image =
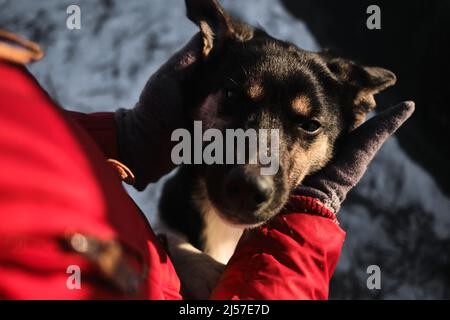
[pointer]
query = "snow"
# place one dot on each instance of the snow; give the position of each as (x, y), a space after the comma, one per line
(397, 217)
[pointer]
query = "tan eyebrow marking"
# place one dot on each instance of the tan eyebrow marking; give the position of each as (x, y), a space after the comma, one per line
(255, 91)
(301, 104)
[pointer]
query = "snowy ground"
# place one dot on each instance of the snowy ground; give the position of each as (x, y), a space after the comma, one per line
(396, 218)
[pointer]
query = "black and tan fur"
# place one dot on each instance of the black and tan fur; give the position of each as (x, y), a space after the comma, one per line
(249, 79)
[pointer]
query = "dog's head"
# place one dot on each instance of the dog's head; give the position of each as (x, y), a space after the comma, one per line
(250, 80)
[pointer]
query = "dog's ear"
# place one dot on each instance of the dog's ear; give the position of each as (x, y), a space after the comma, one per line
(361, 84)
(215, 24)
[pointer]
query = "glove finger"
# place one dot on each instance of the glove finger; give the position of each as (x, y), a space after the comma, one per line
(364, 142)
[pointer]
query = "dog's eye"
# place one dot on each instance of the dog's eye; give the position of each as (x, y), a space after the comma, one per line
(311, 126)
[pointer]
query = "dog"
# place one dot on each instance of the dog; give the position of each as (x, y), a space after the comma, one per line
(251, 80)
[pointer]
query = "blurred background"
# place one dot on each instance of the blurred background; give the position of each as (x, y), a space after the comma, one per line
(398, 217)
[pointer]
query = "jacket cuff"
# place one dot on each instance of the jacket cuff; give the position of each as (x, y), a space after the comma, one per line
(101, 127)
(308, 205)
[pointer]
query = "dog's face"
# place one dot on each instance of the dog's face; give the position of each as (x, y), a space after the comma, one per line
(250, 80)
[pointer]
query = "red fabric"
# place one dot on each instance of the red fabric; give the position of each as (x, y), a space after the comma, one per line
(54, 179)
(293, 257)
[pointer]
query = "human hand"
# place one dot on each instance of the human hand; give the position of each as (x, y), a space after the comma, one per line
(144, 132)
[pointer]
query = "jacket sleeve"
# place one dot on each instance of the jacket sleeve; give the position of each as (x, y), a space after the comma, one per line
(63, 206)
(292, 257)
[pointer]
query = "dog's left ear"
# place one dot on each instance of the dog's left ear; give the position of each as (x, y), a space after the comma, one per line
(215, 24)
(361, 84)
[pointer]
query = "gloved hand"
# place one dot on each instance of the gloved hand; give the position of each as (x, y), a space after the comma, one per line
(144, 132)
(331, 184)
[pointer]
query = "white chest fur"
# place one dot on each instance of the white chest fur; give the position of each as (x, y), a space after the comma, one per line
(220, 238)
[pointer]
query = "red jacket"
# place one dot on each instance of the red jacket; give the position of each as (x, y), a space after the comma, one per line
(62, 204)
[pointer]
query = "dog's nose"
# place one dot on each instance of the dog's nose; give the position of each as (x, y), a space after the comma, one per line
(247, 190)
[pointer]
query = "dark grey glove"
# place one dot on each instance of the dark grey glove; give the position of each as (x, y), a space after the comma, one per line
(331, 184)
(144, 132)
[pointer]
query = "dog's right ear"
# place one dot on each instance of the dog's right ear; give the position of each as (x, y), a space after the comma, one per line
(215, 24)
(360, 85)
